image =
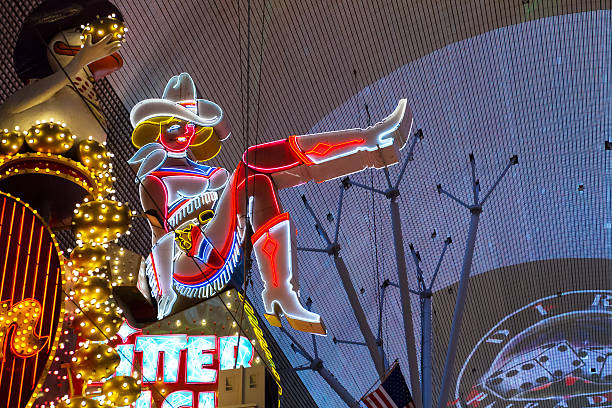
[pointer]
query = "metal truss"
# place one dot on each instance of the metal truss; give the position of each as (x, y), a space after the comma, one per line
(375, 345)
(316, 364)
(475, 210)
(421, 385)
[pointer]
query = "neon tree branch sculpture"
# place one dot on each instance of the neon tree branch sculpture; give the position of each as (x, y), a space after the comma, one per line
(198, 213)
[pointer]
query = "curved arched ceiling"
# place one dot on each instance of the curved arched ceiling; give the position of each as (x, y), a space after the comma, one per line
(310, 50)
(540, 90)
(493, 78)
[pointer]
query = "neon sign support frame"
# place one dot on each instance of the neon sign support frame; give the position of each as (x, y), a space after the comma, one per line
(374, 344)
(422, 390)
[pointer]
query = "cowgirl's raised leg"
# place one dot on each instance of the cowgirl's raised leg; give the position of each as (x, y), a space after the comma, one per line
(325, 156)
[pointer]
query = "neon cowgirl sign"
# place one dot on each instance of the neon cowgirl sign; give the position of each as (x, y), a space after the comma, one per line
(179, 370)
(198, 214)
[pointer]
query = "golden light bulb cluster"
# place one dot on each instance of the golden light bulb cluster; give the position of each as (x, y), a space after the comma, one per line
(79, 402)
(49, 137)
(122, 390)
(87, 257)
(100, 221)
(92, 289)
(95, 362)
(96, 326)
(103, 26)
(97, 319)
(94, 156)
(11, 141)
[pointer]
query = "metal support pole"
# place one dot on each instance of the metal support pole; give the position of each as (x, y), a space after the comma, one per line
(400, 258)
(379, 334)
(475, 211)
(360, 315)
(426, 363)
(459, 307)
(381, 304)
(316, 364)
(333, 249)
(425, 295)
(335, 384)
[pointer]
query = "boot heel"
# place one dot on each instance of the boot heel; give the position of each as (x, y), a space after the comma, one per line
(307, 327)
(273, 320)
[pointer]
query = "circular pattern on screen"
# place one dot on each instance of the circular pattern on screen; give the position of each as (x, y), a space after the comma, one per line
(555, 351)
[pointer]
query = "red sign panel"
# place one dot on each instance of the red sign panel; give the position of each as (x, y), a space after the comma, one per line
(31, 301)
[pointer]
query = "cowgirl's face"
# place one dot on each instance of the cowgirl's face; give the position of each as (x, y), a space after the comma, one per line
(177, 135)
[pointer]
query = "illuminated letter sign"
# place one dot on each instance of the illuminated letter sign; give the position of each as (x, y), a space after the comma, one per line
(187, 366)
(151, 346)
(31, 302)
(200, 350)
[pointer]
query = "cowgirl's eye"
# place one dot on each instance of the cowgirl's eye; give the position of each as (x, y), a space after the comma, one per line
(173, 128)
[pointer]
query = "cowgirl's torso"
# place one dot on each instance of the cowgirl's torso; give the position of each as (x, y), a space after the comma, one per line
(192, 192)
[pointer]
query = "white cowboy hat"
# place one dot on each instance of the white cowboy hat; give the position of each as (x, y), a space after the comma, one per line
(179, 100)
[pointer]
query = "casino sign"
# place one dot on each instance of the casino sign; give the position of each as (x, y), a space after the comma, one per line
(180, 360)
(31, 301)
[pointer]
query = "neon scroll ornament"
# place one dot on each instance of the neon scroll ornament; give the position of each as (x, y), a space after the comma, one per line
(31, 302)
(198, 213)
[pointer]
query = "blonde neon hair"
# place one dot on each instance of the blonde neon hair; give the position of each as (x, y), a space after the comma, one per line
(204, 146)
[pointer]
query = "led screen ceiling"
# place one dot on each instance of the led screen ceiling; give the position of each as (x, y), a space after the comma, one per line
(540, 90)
(546, 341)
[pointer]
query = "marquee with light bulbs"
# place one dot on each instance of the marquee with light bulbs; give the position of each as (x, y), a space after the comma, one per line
(48, 154)
(31, 301)
(66, 180)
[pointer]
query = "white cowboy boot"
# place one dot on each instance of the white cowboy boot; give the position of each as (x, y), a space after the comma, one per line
(334, 154)
(275, 252)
